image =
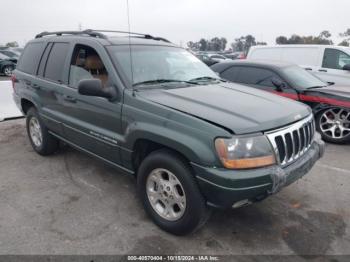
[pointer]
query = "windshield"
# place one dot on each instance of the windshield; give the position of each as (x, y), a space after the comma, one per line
(302, 79)
(153, 63)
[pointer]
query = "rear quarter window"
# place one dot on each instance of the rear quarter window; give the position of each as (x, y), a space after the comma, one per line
(30, 58)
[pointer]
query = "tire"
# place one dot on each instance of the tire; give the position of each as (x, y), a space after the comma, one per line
(337, 118)
(181, 220)
(7, 70)
(40, 139)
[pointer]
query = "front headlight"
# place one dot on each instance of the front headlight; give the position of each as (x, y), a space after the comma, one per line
(245, 152)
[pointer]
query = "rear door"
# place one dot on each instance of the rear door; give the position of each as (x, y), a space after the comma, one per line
(331, 69)
(49, 84)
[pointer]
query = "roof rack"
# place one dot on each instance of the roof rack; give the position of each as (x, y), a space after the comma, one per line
(60, 33)
(99, 34)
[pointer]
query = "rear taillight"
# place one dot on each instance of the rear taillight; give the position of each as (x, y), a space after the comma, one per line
(13, 80)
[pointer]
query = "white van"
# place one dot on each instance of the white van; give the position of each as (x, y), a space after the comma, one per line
(330, 63)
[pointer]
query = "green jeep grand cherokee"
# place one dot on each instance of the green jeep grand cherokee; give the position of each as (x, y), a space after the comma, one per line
(153, 110)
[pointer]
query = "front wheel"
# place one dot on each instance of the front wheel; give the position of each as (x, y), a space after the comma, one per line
(170, 194)
(334, 125)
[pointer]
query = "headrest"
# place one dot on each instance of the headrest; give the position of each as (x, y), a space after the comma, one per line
(93, 62)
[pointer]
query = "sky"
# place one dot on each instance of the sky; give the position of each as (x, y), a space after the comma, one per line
(177, 20)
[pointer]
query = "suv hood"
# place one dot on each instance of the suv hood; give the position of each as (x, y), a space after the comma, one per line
(235, 107)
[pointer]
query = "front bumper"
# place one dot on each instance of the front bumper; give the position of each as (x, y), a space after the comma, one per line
(224, 188)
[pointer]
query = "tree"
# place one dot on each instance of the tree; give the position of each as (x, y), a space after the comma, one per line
(281, 40)
(322, 39)
(243, 43)
(346, 33)
(346, 36)
(223, 43)
(325, 34)
(214, 44)
(12, 44)
(344, 43)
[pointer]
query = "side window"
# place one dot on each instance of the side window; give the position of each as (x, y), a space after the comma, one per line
(86, 64)
(55, 62)
(335, 59)
(231, 73)
(256, 76)
(30, 58)
(44, 59)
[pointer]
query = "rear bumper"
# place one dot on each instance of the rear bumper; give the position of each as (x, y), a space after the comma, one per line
(224, 188)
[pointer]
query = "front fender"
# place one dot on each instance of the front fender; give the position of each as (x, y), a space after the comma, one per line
(197, 148)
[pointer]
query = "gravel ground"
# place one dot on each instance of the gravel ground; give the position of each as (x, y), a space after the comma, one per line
(70, 203)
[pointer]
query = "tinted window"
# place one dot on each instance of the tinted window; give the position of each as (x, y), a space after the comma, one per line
(335, 59)
(256, 76)
(30, 58)
(55, 63)
(231, 73)
(300, 78)
(44, 59)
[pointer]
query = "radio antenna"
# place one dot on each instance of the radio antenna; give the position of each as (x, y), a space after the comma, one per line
(130, 51)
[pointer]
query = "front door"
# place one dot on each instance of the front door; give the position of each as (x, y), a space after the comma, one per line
(91, 123)
(332, 67)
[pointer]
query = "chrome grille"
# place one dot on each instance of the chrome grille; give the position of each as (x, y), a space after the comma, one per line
(292, 141)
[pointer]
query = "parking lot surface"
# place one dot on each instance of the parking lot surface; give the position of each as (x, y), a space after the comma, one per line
(70, 203)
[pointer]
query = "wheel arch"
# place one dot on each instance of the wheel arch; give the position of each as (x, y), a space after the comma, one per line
(26, 104)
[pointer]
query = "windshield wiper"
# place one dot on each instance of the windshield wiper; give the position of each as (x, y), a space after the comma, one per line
(206, 78)
(162, 81)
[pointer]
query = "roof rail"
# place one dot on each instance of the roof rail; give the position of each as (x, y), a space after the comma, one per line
(99, 34)
(60, 33)
(147, 36)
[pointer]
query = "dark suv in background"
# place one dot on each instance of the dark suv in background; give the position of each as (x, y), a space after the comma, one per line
(153, 110)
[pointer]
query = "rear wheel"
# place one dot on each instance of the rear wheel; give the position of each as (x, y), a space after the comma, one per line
(170, 194)
(7, 70)
(334, 125)
(40, 138)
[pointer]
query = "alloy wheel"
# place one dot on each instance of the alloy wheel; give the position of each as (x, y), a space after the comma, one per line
(166, 194)
(35, 132)
(335, 123)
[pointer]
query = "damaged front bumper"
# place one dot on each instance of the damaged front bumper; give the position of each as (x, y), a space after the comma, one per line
(224, 188)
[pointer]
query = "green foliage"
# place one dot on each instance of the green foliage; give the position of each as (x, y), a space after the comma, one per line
(321, 39)
(215, 44)
(344, 43)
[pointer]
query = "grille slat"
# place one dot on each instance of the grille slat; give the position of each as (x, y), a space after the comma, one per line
(292, 141)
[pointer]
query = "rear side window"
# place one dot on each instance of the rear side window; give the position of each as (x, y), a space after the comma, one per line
(30, 58)
(231, 73)
(256, 76)
(55, 62)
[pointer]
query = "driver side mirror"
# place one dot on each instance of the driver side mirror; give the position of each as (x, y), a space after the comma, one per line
(278, 83)
(94, 87)
(346, 67)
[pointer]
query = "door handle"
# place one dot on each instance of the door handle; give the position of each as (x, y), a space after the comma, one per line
(308, 69)
(322, 70)
(70, 99)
